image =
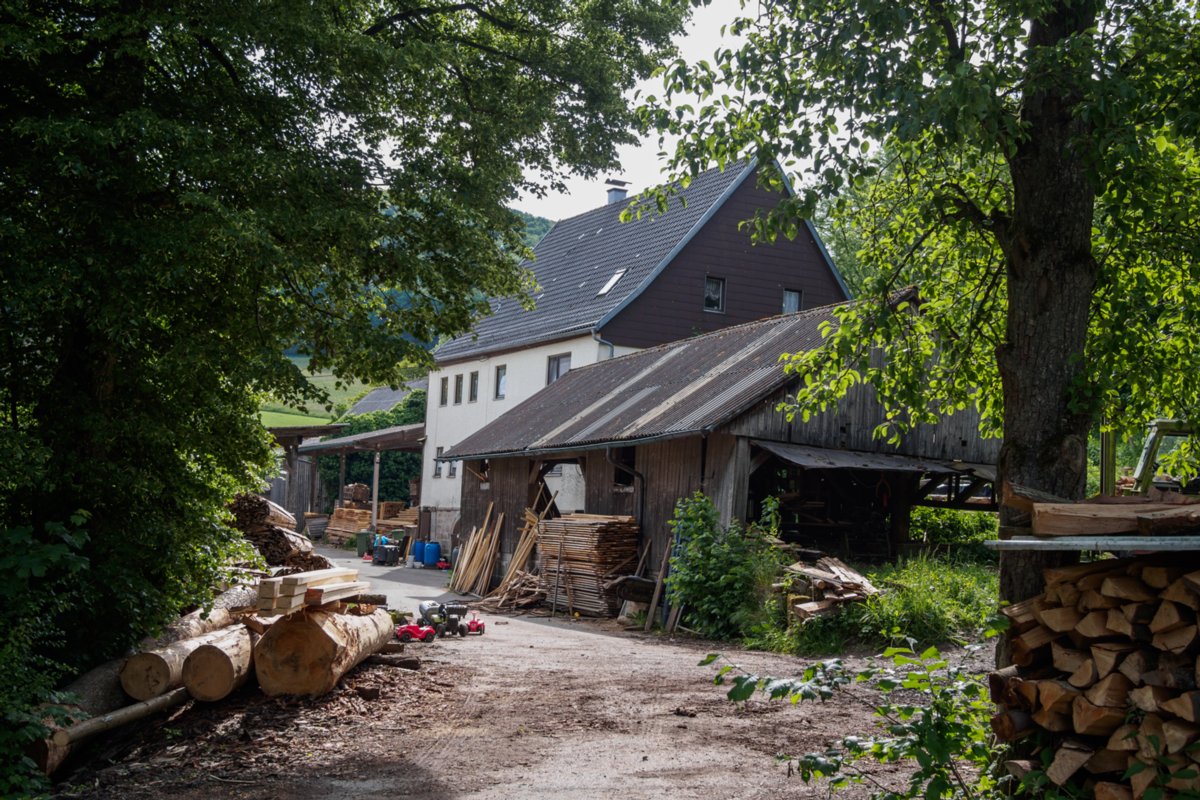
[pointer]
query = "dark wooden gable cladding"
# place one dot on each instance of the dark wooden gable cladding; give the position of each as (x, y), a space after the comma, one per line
(672, 306)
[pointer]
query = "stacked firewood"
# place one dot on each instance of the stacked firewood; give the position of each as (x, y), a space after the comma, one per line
(579, 554)
(1105, 666)
(345, 524)
(270, 529)
(826, 587)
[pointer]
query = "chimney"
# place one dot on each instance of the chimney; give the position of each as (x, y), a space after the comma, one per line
(616, 190)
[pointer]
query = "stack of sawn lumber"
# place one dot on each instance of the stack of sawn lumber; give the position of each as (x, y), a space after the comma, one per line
(1106, 661)
(270, 528)
(578, 555)
(1156, 514)
(394, 521)
(285, 594)
(345, 524)
(828, 585)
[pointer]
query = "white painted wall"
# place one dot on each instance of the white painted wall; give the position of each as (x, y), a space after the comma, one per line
(447, 425)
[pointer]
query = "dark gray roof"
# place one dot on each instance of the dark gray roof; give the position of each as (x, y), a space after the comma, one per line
(579, 255)
(385, 399)
(409, 438)
(674, 389)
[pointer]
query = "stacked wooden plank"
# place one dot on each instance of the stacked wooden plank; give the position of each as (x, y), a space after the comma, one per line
(1157, 514)
(289, 593)
(393, 508)
(522, 590)
(345, 524)
(478, 557)
(1106, 660)
(579, 554)
(826, 586)
(393, 523)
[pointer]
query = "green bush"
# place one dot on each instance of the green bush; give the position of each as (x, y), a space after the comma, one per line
(958, 535)
(721, 576)
(928, 600)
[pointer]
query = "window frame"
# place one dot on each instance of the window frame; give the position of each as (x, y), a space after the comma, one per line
(556, 360)
(473, 387)
(452, 470)
(501, 381)
(723, 297)
(437, 465)
(444, 398)
(799, 300)
(458, 389)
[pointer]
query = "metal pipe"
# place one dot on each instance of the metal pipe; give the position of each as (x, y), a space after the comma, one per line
(612, 348)
(636, 476)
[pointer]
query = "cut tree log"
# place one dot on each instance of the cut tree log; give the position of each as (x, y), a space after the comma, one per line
(1111, 791)
(1186, 706)
(1095, 519)
(1069, 759)
(1108, 656)
(1176, 640)
(1126, 587)
(1179, 734)
(1124, 738)
(89, 728)
(1168, 521)
(1066, 659)
(153, 672)
(1011, 724)
(398, 661)
(1105, 762)
(214, 669)
(1135, 665)
(1090, 719)
(1112, 691)
(306, 654)
(1151, 698)
(1059, 620)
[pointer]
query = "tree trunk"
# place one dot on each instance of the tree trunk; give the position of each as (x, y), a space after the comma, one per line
(215, 669)
(150, 673)
(307, 653)
(1051, 278)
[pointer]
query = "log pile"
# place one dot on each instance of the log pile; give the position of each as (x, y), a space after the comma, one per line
(345, 524)
(357, 495)
(826, 586)
(521, 590)
(1106, 661)
(579, 554)
(269, 528)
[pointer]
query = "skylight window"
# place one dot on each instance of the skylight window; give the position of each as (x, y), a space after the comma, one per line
(611, 283)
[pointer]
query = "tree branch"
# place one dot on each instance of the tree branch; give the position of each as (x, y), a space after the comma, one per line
(433, 11)
(957, 50)
(230, 69)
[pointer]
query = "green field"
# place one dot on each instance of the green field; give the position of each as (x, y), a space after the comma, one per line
(275, 414)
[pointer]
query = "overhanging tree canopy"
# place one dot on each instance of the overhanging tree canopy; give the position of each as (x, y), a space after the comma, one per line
(188, 190)
(1039, 182)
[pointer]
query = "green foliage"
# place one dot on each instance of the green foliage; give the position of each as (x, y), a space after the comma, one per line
(721, 576)
(926, 600)
(956, 147)
(535, 227)
(191, 190)
(931, 715)
(36, 590)
(948, 526)
(395, 469)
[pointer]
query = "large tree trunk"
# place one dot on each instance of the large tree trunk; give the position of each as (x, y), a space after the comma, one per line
(308, 653)
(215, 669)
(1051, 277)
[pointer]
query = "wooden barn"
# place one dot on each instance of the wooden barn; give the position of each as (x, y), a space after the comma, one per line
(700, 414)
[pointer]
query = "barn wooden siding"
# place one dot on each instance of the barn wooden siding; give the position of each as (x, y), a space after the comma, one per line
(851, 425)
(298, 490)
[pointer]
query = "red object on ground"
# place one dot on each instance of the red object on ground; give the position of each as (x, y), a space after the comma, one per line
(473, 625)
(443, 564)
(422, 633)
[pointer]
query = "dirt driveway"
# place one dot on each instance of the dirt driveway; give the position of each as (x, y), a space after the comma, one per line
(536, 708)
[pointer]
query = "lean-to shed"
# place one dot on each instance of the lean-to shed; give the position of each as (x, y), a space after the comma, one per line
(700, 414)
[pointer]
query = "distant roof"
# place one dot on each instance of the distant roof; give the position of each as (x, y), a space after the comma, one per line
(674, 389)
(399, 437)
(576, 261)
(385, 399)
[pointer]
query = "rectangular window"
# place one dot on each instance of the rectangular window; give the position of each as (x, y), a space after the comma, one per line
(458, 381)
(791, 301)
(453, 471)
(473, 388)
(437, 465)
(624, 459)
(557, 366)
(445, 391)
(714, 295)
(501, 381)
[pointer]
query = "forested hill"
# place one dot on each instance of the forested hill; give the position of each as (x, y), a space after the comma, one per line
(535, 227)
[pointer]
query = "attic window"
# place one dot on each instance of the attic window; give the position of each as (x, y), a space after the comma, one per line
(616, 276)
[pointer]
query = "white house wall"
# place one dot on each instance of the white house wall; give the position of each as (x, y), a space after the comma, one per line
(446, 425)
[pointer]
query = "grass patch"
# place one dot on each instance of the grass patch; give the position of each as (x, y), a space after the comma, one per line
(927, 599)
(284, 419)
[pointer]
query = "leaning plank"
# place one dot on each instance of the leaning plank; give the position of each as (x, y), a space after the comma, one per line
(89, 728)
(214, 669)
(153, 672)
(306, 654)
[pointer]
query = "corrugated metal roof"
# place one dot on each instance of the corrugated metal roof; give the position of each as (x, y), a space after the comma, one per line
(385, 399)
(400, 437)
(575, 260)
(678, 388)
(822, 458)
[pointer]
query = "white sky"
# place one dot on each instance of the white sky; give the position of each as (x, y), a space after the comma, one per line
(640, 164)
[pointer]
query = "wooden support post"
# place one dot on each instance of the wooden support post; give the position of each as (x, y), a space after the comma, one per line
(341, 495)
(375, 491)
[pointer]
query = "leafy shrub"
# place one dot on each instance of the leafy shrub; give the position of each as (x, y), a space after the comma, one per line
(721, 576)
(956, 534)
(925, 599)
(930, 713)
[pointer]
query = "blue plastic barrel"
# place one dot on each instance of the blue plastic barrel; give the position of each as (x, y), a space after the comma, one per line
(433, 553)
(418, 552)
